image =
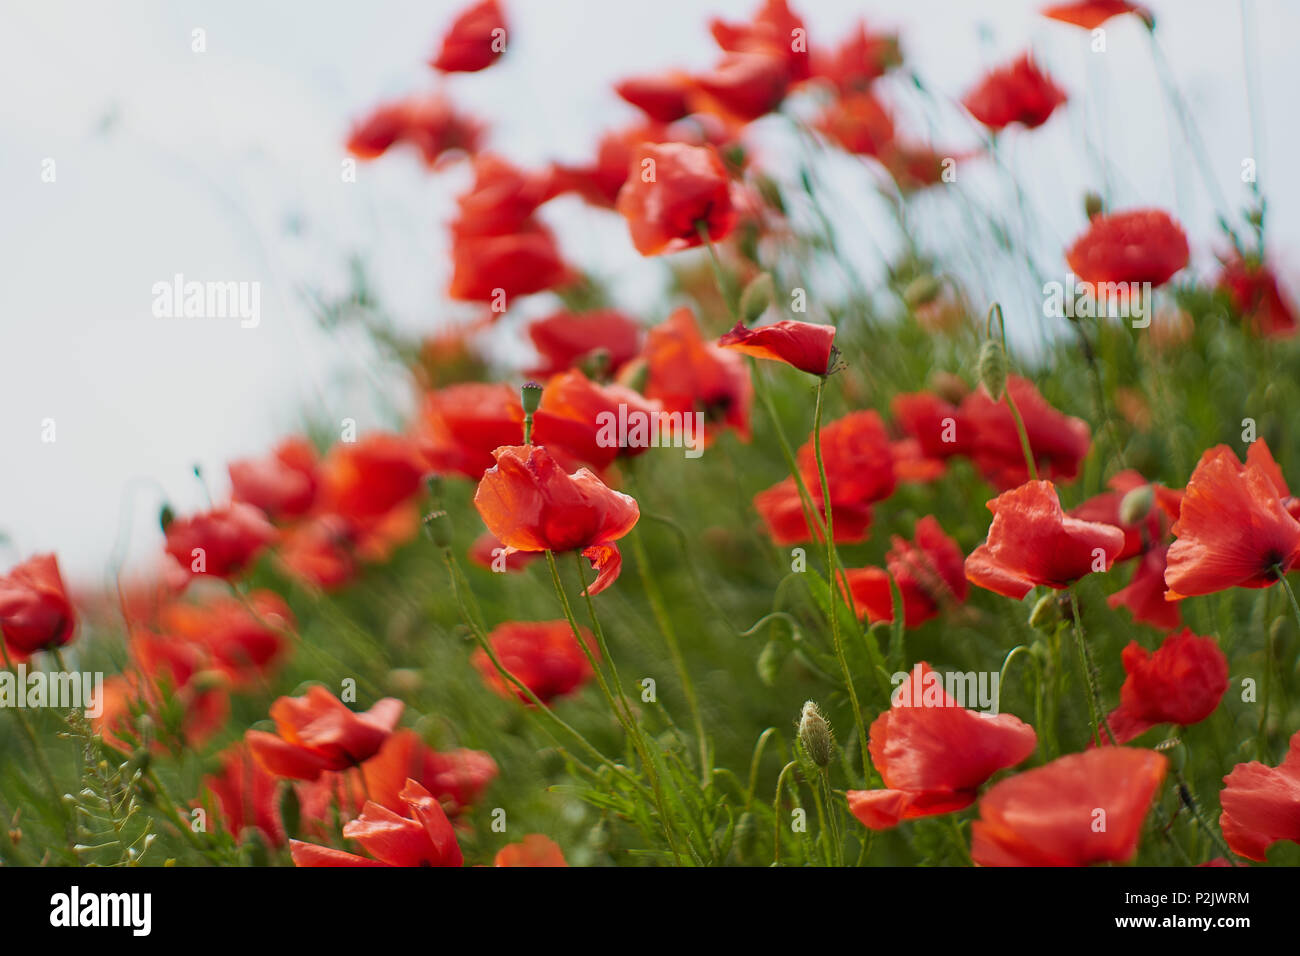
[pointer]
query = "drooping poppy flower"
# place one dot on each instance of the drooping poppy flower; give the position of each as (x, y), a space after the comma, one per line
(1091, 14)
(858, 456)
(859, 123)
(425, 121)
(1017, 93)
(805, 345)
(566, 339)
(543, 655)
(424, 838)
(1058, 442)
(317, 732)
(929, 573)
(1145, 594)
(672, 192)
(1256, 294)
(1261, 805)
(533, 850)
(1181, 683)
(220, 542)
(474, 41)
(581, 418)
(859, 60)
(530, 504)
(461, 425)
(282, 485)
(688, 374)
(782, 512)
(35, 612)
(488, 552)
(1137, 246)
(933, 754)
(1233, 529)
(1033, 542)
(664, 97)
(934, 422)
(486, 268)
(1079, 809)
(246, 638)
(364, 481)
(246, 796)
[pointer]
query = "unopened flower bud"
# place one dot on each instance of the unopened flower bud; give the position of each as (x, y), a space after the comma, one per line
(815, 735)
(595, 364)
(757, 296)
(1136, 505)
(1092, 204)
(1046, 613)
(166, 516)
(992, 368)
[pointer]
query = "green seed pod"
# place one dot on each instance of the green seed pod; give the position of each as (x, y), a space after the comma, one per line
(992, 368)
(438, 527)
(1136, 505)
(757, 297)
(531, 396)
(815, 735)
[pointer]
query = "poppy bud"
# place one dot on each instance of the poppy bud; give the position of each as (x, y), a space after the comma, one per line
(166, 516)
(992, 368)
(595, 365)
(530, 394)
(1136, 505)
(757, 296)
(1046, 613)
(1092, 204)
(770, 660)
(922, 291)
(437, 525)
(815, 735)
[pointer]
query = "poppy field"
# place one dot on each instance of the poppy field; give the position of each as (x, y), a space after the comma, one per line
(991, 562)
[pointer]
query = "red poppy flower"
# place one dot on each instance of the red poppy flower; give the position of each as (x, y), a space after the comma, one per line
(1079, 809)
(859, 123)
(1261, 805)
(774, 27)
(543, 655)
(1145, 594)
(933, 754)
(1233, 528)
(805, 345)
(916, 166)
(929, 574)
(565, 339)
(599, 181)
(425, 121)
(456, 778)
(364, 481)
(488, 267)
(501, 200)
(424, 838)
(319, 552)
(934, 422)
(1091, 14)
(220, 542)
(246, 796)
(671, 190)
(688, 374)
(488, 552)
(475, 40)
(1105, 509)
(35, 613)
(282, 485)
(317, 732)
(783, 515)
(860, 59)
(581, 418)
(1257, 296)
(745, 85)
(1141, 245)
(1181, 683)
(533, 850)
(858, 457)
(1032, 541)
(1059, 443)
(246, 638)
(530, 504)
(664, 97)
(1018, 93)
(461, 425)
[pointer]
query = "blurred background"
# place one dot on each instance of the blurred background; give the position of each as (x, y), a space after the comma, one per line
(225, 165)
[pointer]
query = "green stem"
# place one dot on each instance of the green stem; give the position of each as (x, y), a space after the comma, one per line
(1089, 675)
(776, 813)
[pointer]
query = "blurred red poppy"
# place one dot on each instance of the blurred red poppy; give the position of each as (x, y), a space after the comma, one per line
(1091, 14)
(220, 542)
(425, 121)
(859, 123)
(246, 796)
(282, 485)
(672, 192)
(663, 97)
(858, 456)
(364, 481)
(530, 504)
(1140, 245)
(934, 422)
(474, 41)
(1079, 809)
(746, 84)
(1033, 542)
(543, 655)
(35, 612)
(246, 637)
(424, 838)
(1256, 294)
(533, 850)
(782, 512)
(580, 418)
(861, 58)
(1058, 442)
(1105, 509)
(566, 339)
(805, 345)
(688, 374)
(774, 27)
(1145, 594)
(928, 571)
(1261, 804)
(1017, 93)
(496, 268)
(1181, 683)
(319, 552)
(461, 425)
(317, 732)
(933, 754)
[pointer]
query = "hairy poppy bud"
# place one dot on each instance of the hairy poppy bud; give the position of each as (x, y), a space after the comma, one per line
(992, 368)
(757, 296)
(437, 526)
(815, 735)
(1136, 505)
(922, 291)
(1046, 613)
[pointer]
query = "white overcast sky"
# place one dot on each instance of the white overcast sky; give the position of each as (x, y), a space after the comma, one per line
(225, 165)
